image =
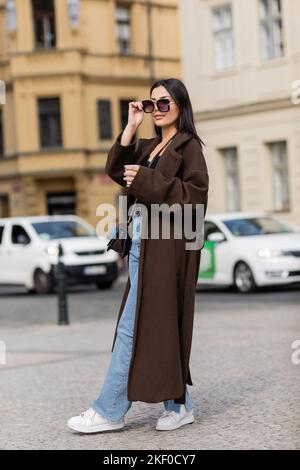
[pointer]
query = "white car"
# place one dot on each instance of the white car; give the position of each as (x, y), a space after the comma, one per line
(29, 252)
(249, 249)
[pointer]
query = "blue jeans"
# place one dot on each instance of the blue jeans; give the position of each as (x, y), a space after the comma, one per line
(112, 403)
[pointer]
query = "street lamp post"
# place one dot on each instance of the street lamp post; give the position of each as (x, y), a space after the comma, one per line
(150, 42)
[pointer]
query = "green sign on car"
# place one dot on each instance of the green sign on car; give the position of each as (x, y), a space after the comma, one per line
(207, 262)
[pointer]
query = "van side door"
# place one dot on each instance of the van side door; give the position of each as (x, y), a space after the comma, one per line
(19, 254)
(2, 253)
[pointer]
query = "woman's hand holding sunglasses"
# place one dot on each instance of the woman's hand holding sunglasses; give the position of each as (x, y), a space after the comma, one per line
(135, 114)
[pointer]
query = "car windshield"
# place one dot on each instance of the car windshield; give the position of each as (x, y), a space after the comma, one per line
(62, 229)
(256, 226)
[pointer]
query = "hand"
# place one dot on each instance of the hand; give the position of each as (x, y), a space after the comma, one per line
(135, 114)
(130, 172)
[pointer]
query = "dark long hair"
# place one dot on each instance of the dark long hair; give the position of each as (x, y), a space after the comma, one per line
(178, 91)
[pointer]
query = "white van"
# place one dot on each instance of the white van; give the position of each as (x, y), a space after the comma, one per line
(29, 252)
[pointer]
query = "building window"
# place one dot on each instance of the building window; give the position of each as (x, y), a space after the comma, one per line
(232, 179)
(123, 29)
(61, 203)
(4, 205)
(124, 105)
(270, 26)
(44, 23)
(280, 176)
(49, 121)
(1, 134)
(104, 119)
(11, 17)
(223, 38)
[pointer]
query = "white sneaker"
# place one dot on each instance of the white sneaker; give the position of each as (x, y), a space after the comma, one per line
(173, 420)
(90, 421)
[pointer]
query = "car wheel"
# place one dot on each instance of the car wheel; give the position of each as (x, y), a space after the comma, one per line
(104, 284)
(42, 282)
(243, 278)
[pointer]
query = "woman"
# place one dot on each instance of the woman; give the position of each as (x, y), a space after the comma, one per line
(153, 335)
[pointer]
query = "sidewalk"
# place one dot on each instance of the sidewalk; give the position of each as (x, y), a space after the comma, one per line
(245, 393)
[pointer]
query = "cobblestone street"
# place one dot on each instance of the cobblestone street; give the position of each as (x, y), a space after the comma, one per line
(245, 392)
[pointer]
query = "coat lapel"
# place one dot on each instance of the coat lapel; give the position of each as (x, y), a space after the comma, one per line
(171, 158)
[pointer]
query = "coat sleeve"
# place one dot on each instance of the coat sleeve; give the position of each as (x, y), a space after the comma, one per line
(151, 186)
(118, 156)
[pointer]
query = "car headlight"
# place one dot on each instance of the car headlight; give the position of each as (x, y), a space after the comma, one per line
(52, 250)
(270, 252)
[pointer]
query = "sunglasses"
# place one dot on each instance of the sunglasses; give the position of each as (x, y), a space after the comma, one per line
(163, 105)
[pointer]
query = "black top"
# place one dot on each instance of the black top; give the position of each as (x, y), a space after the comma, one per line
(155, 159)
(153, 162)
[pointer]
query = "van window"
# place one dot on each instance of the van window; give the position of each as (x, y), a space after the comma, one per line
(19, 235)
(211, 227)
(62, 229)
(1, 233)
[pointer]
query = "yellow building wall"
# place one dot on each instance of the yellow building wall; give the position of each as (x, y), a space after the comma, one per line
(84, 67)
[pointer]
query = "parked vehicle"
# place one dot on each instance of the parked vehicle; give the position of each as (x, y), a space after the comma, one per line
(249, 249)
(29, 252)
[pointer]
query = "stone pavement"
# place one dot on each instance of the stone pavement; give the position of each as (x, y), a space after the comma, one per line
(245, 392)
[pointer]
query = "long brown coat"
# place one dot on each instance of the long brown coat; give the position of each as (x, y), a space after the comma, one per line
(159, 368)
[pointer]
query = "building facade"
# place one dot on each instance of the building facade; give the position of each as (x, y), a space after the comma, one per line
(70, 67)
(241, 64)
